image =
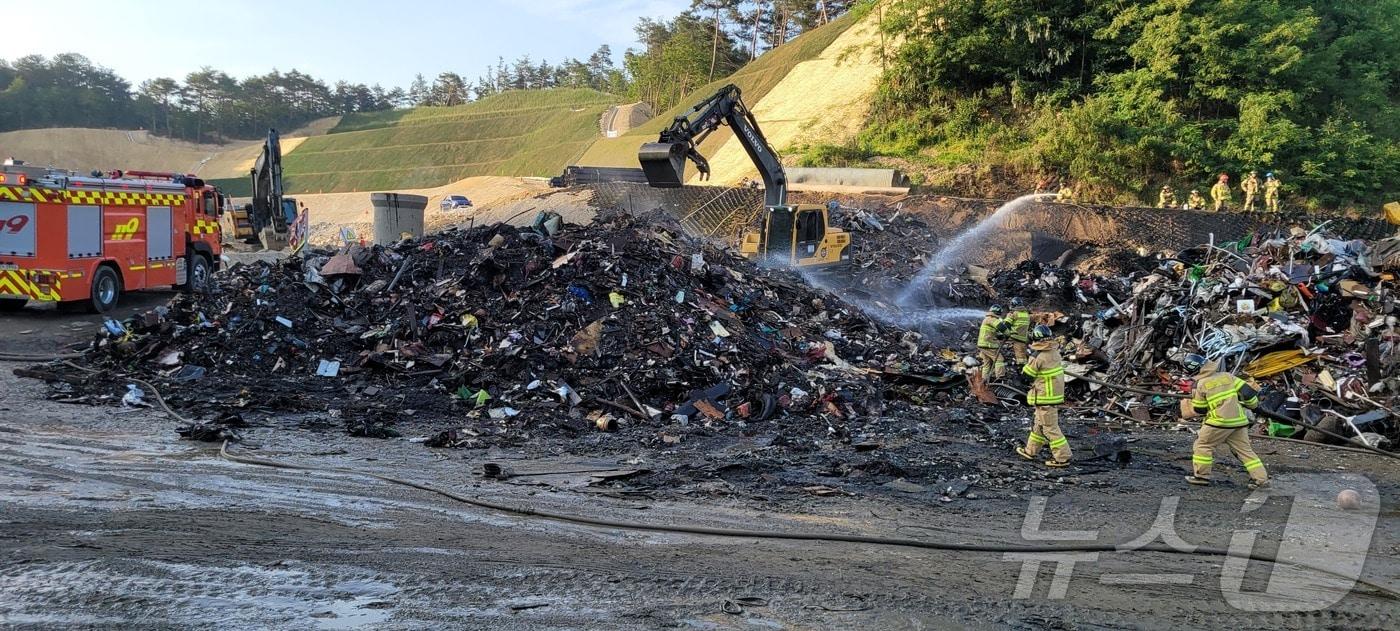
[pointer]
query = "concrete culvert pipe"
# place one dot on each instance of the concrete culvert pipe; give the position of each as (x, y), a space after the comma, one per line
(396, 214)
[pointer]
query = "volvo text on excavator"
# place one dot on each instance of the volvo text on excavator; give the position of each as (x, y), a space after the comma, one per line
(268, 217)
(798, 235)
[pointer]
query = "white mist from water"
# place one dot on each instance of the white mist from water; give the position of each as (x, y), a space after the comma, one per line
(906, 318)
(902, 314)
(952, 252)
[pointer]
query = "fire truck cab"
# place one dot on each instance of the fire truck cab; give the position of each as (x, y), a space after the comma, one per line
(68, 238)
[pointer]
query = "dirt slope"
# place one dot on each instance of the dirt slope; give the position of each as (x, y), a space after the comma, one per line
(85, 149)
(755, 79)
(825, 99)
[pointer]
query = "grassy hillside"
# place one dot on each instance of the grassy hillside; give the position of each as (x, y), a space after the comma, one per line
(755, 79)
(515, 133)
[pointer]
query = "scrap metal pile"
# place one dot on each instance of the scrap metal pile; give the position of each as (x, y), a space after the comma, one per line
(1310, 316)
(495, 334)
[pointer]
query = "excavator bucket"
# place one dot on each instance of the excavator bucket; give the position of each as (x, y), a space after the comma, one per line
(663, 163)
(272, 240)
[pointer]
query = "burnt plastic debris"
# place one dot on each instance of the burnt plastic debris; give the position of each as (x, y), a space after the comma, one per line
(481, 330)
(498, 336)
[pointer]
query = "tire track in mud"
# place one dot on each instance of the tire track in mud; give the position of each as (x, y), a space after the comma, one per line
(176, 593)
(294, 554)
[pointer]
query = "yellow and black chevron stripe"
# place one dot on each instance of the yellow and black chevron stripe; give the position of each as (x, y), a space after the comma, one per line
(34, 194)
(123, 198)
(29, 194)
(15, 282)
(205, 226)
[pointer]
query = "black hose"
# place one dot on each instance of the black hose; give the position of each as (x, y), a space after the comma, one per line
(530, 511)
(1265, 413)
(1293, 421)
(20, 357)
(1132, 389)
(1355, 450)
(758, 534)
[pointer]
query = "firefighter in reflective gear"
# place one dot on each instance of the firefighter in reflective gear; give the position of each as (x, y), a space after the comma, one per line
(1220, 193)
(1196, 201)
(1017, 327)
(1271, 186)
(1047, 392)
(1222, 398)
(989, 345)
(1250, 186)
(1167, 198)
(1066, 194)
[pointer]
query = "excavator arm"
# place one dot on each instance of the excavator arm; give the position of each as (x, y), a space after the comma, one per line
(270, 212)
(664, 161)
(801, 236)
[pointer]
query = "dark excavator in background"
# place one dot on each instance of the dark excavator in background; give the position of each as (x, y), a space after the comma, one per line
(268, 217)
(797, 235)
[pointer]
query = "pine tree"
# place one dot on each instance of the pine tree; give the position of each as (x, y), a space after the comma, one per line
(418, 92)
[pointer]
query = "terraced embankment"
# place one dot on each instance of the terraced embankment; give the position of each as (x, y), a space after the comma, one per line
(524, 133)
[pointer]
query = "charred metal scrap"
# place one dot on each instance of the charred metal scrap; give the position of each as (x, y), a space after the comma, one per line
(1308, 316)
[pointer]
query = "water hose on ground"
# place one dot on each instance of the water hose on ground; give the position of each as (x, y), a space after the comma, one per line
(530, 511)
(1265, 413)
(21, 357)
(1125, 388)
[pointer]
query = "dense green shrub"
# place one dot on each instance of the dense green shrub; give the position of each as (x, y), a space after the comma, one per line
(1122, 96)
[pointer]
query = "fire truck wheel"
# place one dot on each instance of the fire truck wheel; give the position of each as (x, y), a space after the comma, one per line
(106, 289)
(199, 274)
(12, 304)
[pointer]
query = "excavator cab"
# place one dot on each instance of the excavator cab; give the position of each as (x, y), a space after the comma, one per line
(663, 163)
(800, 235)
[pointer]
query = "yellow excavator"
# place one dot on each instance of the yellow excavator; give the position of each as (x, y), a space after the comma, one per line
(797, 235)
(268, 218)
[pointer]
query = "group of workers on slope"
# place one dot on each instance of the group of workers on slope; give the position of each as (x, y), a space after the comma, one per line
(1220, 396)
(1223, 196)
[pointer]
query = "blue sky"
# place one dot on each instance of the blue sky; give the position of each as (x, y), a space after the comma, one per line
(363, 41)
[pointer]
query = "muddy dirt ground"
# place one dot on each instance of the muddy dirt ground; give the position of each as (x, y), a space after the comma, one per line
(108, 520)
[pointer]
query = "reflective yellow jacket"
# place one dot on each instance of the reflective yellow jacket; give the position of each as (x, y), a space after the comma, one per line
(1020, 322)
(987, 334)
(1047, 372)
(1218, 396)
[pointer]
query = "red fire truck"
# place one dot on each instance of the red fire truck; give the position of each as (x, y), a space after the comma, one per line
(68, 238)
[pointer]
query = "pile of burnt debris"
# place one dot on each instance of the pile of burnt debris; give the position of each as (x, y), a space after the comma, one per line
(495, 334)
(1310, 319)
(624, 336)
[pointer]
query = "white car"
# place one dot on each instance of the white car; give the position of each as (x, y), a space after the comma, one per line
(455, 202)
